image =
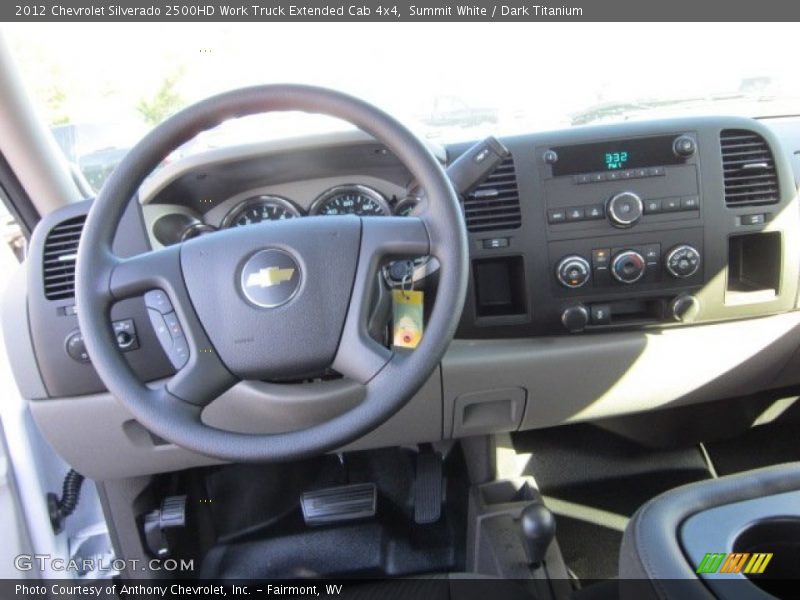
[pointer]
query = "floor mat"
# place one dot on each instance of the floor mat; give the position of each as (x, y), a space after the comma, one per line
(762, 446)
(592, 467)
(591, 551)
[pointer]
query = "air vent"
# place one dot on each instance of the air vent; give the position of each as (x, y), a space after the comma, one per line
(749, 169)
(60, 251)
(495, 203)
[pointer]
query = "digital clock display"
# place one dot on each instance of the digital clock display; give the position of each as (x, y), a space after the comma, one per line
(616, 160)
(615, 155)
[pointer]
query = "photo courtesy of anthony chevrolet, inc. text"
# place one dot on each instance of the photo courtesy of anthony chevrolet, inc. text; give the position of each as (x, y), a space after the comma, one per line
(399, 300)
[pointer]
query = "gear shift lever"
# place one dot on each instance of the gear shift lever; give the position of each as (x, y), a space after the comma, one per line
(538, 530)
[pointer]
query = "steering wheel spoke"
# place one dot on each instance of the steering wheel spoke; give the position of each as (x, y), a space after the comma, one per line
(360, 357)
(159, 269)
(200, 374)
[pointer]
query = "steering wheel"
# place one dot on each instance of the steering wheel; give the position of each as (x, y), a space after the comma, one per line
(271, 300)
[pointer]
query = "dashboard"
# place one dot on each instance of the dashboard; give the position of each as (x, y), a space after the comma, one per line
(634, 242)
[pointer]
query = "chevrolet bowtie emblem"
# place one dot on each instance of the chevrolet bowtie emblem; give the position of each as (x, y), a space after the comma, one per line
(269, 277)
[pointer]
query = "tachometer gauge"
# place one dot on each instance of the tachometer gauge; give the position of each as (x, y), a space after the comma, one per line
(351, 200)
(261, 208)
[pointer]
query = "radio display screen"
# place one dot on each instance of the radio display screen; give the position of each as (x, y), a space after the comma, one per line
(615, 155)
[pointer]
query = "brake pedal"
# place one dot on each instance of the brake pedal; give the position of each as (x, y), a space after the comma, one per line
(342, 503)
(428, 488)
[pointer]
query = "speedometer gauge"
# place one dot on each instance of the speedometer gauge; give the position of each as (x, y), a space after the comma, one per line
(351, 200)
(260, 208)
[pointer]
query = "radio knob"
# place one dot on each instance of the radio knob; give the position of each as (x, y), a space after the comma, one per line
(684, 146)
(573, 271)
(682, 261)
(575, 318)
(624, 209)
(685, 308)
(628, 266)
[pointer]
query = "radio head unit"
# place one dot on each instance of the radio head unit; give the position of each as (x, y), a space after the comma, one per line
(619, 155)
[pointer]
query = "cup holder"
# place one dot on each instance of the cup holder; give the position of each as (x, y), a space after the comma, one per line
(780, 537)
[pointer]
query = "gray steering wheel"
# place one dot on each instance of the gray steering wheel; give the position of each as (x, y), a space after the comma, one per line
(272, 300)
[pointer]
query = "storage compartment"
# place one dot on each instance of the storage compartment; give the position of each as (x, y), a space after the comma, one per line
(773, 546)
(754, 268)
(499, 286)
(488, 411)
(506, 491)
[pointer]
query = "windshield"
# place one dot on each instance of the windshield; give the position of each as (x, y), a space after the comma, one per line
(100, 87)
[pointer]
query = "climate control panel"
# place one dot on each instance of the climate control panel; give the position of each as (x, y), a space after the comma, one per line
(631, 278)
(627, 266)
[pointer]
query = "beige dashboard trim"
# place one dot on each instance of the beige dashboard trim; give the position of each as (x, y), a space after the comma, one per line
(568, 379)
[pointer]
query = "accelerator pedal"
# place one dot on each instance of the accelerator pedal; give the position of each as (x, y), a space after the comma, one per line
(428, 488)
(341, 503)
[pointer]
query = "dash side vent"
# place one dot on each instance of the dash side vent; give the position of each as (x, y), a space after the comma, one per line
(495, 203)
(60, 252)
(749, 169)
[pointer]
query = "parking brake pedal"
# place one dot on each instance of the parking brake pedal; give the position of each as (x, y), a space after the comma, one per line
(428, 488)
(342, 503)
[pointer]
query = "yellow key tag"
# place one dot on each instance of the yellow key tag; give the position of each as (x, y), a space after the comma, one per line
(407, 318)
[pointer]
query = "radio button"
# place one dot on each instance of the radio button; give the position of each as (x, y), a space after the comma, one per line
(613, 175)
(656, 171)
(628, 266)
(550, 157)
(671, 204)
(557, 215)
(583, 178)
(690, 203)
(595, 212)
(598, 177)
(652, 206)
(684, 146)
(575, 214)
(624, 209)
(573, 271)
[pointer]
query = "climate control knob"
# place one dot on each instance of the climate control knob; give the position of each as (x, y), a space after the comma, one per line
(682, 261)
(628, 266)
(624, 209)
(573, 271)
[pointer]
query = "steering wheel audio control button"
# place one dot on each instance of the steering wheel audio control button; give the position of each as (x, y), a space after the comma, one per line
(174, 326)
(170, 334)
(179, 355)
(158, 300)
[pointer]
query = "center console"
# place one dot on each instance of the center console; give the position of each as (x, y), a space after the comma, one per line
(635, 225)
(730, 538)
(612, 211)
